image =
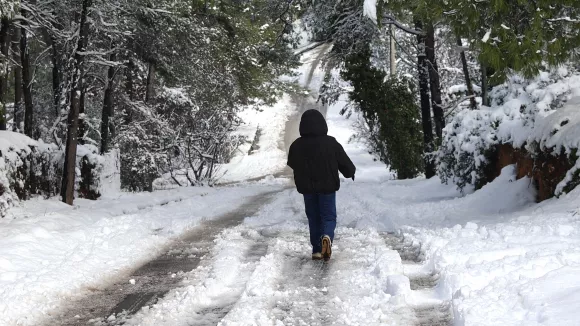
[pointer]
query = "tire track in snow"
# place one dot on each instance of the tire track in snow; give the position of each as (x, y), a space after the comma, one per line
(151, 281)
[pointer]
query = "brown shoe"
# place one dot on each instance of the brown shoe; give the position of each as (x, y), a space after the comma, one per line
(326, 248)
(316, 256)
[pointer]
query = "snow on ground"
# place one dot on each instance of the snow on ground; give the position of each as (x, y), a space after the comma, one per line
(270, 156)
(502, 259)
(50, 251)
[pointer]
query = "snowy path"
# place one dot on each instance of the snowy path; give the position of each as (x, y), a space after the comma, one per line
(260, 273)
(155, 278)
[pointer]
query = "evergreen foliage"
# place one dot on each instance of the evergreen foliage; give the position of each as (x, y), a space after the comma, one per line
(513, 36)
(389, 108)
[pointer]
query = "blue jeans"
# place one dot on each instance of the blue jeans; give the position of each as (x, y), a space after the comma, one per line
(321, 213)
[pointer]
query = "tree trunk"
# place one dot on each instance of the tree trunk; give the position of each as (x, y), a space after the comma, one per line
(150, 92)
(129, 83)
(82, 123)
(107, 115)
(392, 51)
(26, 81)
(425, 103)
(4, 44)
(472, 101)
(484, 85)
(56, 82)
(435, 83)
(16, 124)
(68, 178)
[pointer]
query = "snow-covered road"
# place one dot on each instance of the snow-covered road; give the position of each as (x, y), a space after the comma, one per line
(259, 272)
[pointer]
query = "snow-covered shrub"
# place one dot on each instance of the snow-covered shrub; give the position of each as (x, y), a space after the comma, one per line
(541, 115)
(177, 139)
(29, 167)
(468, 144)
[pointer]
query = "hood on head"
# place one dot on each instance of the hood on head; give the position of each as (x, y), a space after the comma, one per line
(313, 124)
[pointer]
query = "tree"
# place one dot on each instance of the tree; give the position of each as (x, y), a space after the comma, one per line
(26, 78)
(4, 47)
(389, 109)
(17, 123)
(423, 70)
(434, 82)
(516, 35)
(466, 73)
(69, 171)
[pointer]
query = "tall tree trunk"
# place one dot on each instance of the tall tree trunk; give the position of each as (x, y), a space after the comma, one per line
(4, 45)
(435, 83)
(56, 80)
(82, 122)
(16, 125)
(425, 103)
(150, 92)
(68, 177)
(392, 51)
(56, 85)
(129, 85)
(26, 80)
(484, 85)
(107, 116)
(468, 83)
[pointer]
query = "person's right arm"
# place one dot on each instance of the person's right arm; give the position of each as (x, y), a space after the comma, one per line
(345, 165)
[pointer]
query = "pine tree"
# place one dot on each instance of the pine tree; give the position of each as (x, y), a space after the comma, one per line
(517, 35)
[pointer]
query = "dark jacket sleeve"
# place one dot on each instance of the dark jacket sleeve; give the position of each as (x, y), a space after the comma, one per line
(291, 157)
(345, 165)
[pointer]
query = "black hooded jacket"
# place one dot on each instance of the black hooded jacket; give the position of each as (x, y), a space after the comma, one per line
(316, 157)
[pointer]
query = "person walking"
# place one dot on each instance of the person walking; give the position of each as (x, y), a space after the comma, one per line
(316, 159)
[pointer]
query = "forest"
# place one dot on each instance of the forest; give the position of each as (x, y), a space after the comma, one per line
(160, 81)
(452, 88)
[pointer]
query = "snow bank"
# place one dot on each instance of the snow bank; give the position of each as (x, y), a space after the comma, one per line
(540, 115)
(502, 259)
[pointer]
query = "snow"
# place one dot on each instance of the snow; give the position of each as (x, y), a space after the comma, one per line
(542, 111)
(15, 141)
(50, 251)
(486, 36)
(270, 157)
(370, 9)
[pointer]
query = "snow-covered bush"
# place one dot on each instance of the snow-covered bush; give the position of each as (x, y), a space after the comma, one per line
(468, 144)
(177, 139)
(541, 115)
(29, 167)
